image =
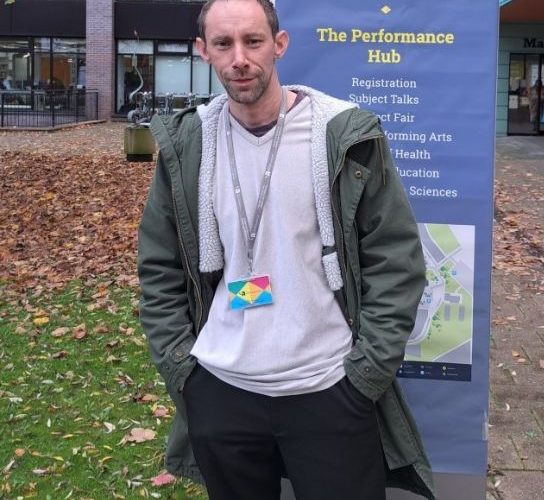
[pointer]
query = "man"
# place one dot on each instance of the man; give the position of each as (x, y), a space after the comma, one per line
(281, 270)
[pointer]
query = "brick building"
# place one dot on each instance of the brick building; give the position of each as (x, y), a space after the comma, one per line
(113, 46)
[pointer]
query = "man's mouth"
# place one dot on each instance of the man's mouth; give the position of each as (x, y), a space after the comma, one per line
(242, 80)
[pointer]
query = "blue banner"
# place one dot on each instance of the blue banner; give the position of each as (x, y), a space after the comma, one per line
(428, 70)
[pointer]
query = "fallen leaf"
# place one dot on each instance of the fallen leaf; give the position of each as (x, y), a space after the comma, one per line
(160, 411)
(59, 332)
(41, 472)
(109, 426)
(8, 467)
(163, 479)
(139, 435)
(515, 354)
(19, 452)
(148, 398)
(80, 332)
(124, 380)
(101, 328)
(40, 321)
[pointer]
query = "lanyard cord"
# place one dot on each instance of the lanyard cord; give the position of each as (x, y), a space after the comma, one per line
(250, 235)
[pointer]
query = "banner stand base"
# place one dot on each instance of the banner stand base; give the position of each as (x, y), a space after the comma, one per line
(448, 487)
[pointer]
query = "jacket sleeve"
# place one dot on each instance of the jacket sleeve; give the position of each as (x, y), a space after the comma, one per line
(164, 306)
(392, 272)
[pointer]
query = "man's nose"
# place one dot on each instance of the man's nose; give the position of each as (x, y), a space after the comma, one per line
(240, 56)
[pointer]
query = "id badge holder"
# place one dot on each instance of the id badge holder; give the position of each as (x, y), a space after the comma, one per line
(253, 291)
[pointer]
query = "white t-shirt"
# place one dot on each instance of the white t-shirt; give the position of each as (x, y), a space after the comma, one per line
(298, 344)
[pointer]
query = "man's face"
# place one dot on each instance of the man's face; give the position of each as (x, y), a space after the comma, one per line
(240, 46)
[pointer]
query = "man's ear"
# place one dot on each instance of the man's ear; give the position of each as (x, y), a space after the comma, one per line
(201, 47)
(281, 43)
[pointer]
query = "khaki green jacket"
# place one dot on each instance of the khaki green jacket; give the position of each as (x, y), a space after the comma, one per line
(380, 259)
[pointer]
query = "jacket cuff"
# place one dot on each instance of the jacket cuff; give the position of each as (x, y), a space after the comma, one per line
(177, 365)
(364, 376)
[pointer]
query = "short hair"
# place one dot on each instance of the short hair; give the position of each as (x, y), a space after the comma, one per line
(267, 5)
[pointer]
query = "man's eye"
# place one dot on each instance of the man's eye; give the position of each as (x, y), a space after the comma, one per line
(222, 44)
(254, 41)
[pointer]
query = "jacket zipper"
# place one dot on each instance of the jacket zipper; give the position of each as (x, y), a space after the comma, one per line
(186, 259)
(342, 260)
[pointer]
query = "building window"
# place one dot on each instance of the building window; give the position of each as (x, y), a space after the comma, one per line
(15, 64)
(526, 94)
(173, 68)
(68, 64)
(217, 86)
(134, 72)
(175, 47)
(172, 73)
(42, 62)
(201, 76)
(161, 67)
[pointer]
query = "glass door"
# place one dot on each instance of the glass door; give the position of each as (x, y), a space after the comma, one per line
(525, 95)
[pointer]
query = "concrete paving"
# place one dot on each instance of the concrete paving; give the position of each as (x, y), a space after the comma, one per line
(516, 435)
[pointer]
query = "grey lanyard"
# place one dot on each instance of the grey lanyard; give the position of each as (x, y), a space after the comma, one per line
(251, 234)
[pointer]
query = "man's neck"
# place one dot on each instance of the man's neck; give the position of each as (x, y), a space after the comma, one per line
(261, 112)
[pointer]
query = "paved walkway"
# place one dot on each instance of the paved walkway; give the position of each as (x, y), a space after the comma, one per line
(516, 438)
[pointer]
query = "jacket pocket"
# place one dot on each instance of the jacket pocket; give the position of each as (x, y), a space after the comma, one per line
(352, 185)
(364, 374)
(177, 366)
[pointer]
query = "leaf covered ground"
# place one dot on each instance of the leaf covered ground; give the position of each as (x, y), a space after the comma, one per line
(518, 236)
(67, 212)
(83, 412)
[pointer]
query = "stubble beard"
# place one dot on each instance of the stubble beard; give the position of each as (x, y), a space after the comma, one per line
(249, 96)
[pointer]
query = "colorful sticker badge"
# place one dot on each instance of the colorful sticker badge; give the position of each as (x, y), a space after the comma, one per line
(250, 292)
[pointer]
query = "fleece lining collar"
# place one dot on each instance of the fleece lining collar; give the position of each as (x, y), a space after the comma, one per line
(324, 108)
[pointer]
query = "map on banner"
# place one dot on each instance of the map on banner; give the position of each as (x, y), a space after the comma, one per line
(441, 343)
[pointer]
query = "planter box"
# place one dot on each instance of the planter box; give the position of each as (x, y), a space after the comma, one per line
(139, 143)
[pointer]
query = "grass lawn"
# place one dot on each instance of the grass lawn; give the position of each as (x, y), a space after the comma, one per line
(83, 412)
(76, 380)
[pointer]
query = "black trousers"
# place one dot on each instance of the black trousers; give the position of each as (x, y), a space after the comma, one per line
(326, 442)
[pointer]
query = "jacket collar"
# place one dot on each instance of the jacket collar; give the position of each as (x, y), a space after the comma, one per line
(324, 109)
